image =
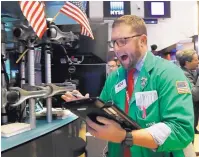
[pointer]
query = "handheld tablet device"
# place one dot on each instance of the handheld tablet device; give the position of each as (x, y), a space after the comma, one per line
(93, 107)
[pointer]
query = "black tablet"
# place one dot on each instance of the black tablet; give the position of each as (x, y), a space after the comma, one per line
(93, 107)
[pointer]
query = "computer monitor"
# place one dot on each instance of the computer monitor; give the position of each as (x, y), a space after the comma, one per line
(157, 9)
(7, 66)
(91, 77)
(87, 46)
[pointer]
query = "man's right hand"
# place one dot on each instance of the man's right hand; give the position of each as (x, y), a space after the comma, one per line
(74, 95)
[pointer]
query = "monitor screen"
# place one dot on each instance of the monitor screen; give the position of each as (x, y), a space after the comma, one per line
(91, 77)
(98, 46)
(14, 73)
(157, 9)
(114, 9)
(7, 66)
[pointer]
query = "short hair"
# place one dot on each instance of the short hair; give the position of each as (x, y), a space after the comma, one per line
(178, 54)
(186, 56)
(154, 47)
(137, 23)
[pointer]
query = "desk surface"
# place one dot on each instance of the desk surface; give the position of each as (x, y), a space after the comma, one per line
(42, 128)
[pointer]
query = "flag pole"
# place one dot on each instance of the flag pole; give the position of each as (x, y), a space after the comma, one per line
(23, 54)
(35, 40)
(55, 17)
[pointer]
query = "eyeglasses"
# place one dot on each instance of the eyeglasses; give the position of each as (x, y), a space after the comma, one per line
(120, 42)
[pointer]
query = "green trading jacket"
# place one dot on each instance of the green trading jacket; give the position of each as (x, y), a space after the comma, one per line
(172, 108)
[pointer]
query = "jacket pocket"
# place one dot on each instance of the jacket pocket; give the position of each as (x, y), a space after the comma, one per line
(152, 115)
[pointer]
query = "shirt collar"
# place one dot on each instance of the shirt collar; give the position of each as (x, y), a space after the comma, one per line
(141, 63)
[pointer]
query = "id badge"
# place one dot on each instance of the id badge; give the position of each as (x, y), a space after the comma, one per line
(120, 86)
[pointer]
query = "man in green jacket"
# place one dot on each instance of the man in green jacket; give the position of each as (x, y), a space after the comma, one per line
(161, 102)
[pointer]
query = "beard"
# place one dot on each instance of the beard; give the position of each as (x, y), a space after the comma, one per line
(132, 60)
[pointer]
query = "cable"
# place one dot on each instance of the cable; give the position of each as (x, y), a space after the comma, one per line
(78, 62)
(104, 153)
(70, 61)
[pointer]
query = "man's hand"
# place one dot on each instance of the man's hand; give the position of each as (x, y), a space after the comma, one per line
(74, 95)
(110, 131)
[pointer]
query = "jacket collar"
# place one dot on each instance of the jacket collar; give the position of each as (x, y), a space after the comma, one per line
(148, 65)
(144, 75)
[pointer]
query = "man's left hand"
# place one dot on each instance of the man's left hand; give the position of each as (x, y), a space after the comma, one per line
(110, 131)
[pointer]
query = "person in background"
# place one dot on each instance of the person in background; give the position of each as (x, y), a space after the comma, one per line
(188, 60)
(113, 65)
(153, 49)
(178, 54)
(151, 90)
(197, 71)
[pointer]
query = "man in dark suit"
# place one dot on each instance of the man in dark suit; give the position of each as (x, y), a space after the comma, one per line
(189, 62)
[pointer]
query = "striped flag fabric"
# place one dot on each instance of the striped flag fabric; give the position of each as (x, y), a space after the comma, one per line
(34, 13)
(77, 11)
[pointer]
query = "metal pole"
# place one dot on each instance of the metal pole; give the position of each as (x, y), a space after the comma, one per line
(31, 80)
(3, 81)
(22, 65)
(48, 80)
(22, 73)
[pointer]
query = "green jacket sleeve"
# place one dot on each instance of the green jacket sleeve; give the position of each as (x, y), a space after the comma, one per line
(104, 95)
(106, 91)
(176, 110)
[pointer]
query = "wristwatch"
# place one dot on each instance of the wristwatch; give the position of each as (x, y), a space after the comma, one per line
(128, 141)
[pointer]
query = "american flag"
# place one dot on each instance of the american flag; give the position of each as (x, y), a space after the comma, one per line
(77, 11)
(34, 13)
(182, 87)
